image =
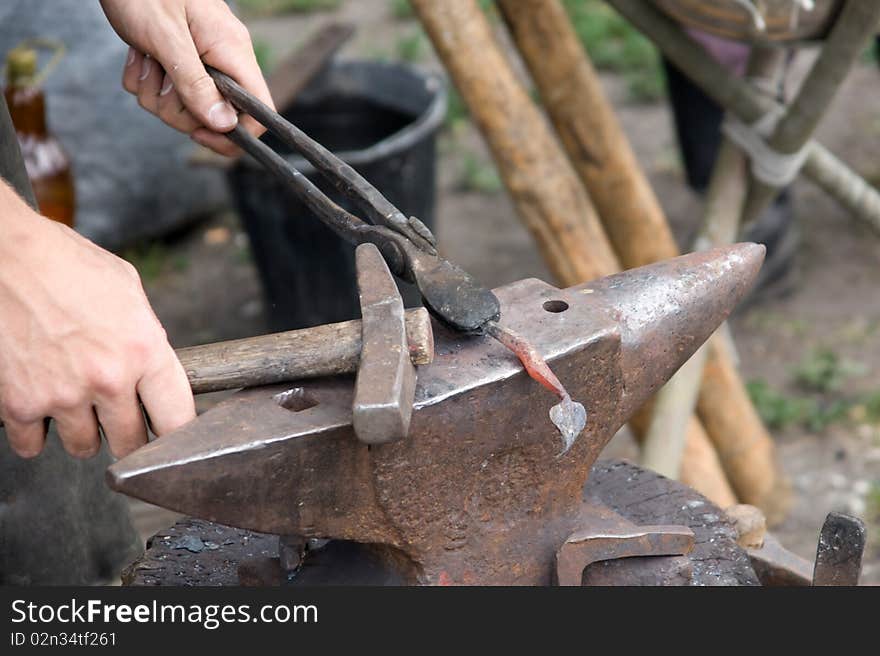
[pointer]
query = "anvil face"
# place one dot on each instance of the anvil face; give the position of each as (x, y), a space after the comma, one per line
(478, 485)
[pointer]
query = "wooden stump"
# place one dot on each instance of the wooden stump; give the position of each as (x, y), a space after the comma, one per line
(197, 552)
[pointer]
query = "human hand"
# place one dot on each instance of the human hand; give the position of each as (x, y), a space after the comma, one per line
(169, 41)
(79, 342)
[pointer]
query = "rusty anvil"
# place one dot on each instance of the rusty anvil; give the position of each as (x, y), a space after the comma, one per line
(477, 493)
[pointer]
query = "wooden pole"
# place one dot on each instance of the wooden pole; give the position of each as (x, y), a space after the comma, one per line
(573, 97)
(585, 121)
(701, 467)
(725, 198)
(548, 196)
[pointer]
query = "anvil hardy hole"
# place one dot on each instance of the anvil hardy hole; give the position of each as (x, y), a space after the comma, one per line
(555, 306)
(296, 400)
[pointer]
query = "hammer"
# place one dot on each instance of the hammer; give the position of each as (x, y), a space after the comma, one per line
(383, 347)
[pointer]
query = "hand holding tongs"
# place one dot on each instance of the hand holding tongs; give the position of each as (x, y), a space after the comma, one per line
(406, 244)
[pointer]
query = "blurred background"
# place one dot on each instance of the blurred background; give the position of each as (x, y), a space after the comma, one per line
(809, 343)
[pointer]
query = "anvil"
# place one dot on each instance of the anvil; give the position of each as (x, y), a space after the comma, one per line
(478, 492)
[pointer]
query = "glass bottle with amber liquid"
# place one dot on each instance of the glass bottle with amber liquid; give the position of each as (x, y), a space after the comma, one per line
(48, 166)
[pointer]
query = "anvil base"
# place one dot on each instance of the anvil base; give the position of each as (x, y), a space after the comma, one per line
(196, 552)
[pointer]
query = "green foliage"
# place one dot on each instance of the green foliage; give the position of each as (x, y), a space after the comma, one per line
(456, 110)
(820, 377)
(264, 54)
(776, 409)
(615, 46)
(871, 403)
(479, 176)
(823, 371)
(411, 47)
(272, 7)
(401, 9)
(150, 259)
(819, 416)
(873, 502)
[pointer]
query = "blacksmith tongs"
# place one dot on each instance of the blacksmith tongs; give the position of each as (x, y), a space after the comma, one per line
(407, 245)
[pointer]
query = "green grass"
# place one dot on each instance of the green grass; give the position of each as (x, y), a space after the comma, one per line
(779, 410)
(402, 10)
(819, 401)
(151, 260)
(412, 47)
(824, 371)
(272, 7)
(615, 46)
(479, 176)
(456, 110)
(264, 54)
(776, 409)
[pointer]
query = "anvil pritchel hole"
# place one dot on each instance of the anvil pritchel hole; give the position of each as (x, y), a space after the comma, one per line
(296, 400)
(555, 306)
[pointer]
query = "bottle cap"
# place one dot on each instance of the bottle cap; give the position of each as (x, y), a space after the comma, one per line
(21, 66)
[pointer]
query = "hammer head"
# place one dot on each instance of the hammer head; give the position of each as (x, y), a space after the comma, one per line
(481, 456)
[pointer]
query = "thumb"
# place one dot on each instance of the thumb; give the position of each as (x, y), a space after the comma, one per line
(198, 91)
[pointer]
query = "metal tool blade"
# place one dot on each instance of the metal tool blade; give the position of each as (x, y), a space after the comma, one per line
(568, 416)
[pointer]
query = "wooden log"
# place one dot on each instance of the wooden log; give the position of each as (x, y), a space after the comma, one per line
(327, 350)
(664, 443)
(634, 221)
(700, 465)
(572, 95)
(741, 439)
(548, 196)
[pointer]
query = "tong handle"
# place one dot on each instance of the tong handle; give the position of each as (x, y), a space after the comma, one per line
(378, 209)
(343, 223)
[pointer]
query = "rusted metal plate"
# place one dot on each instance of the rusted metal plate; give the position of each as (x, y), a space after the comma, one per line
(840, 549)
(609, 536)
(477, 493)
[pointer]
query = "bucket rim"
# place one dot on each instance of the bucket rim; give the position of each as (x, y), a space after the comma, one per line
(400, 140)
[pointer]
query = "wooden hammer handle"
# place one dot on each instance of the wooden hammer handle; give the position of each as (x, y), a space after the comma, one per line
(326, 350)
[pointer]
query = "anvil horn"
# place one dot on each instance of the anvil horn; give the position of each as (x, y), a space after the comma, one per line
(284, 459)
(667, 310)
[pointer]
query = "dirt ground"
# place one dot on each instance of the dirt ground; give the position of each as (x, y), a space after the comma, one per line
(833, 305)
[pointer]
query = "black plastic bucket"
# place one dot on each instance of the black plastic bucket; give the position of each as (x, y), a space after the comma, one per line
(382, 119)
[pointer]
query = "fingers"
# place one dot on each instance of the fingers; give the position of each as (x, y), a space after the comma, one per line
(215, 141)
(172, 109)
(123, 424)
(235, 56)
(25, 438)
(149, 85)
(166, 395)
(78, 430)
(195, 87)
(132, 71)
(186, 97)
